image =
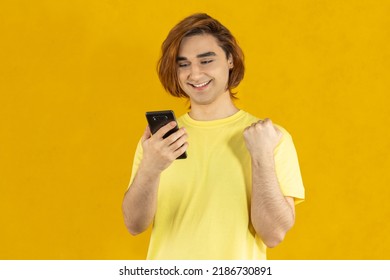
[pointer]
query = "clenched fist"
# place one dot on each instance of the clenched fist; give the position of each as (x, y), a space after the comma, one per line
(261, 138)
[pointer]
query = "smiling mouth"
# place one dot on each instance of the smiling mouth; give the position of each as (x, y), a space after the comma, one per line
(200, 85)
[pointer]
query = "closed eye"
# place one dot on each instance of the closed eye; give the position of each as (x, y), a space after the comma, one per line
(207, 61)
(183, 64)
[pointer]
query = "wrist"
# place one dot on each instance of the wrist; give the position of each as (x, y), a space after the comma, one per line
(148, 171)
(263, 160)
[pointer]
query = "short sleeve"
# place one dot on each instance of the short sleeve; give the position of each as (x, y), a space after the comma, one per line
(287, 168)
(136, 161)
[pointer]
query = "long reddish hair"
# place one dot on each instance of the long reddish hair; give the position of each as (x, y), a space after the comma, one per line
(198, 24)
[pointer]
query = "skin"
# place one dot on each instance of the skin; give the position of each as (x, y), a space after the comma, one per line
(213, 100)
(272, 214)
(203, 73)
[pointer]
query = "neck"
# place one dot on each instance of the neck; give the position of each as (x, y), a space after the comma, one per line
(210, 112)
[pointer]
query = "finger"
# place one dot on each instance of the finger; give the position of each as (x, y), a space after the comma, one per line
(250, 129)
(163, 130)
(146, 134)
(267, 121)
(258, 123)
(179, 142)
(180, 150)
(251, 126)
(174, 136)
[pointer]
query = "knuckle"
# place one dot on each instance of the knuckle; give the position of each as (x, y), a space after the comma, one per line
(181, 150)
(175, 146)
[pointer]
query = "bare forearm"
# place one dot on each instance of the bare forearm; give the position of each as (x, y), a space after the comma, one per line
(272, 216)
(140, 201)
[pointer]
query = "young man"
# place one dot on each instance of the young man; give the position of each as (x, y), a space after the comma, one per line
(236, 192)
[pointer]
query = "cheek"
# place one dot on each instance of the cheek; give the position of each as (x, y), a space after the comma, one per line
(224, 76)
(222, 71)
(181, 76)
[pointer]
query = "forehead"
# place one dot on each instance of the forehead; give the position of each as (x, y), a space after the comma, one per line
(198, 44)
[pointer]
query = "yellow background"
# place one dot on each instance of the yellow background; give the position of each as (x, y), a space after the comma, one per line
(77, 76)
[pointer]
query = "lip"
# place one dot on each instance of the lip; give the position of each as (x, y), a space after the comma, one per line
(200, 86)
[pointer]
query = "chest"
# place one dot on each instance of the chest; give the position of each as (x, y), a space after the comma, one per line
(218, 165)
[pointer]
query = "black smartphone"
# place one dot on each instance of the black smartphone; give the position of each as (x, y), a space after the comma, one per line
(157, 119)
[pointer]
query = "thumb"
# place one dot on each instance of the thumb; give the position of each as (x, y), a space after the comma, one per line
(146, 134)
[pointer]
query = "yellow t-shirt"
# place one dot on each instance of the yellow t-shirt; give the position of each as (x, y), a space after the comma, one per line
(203, 209)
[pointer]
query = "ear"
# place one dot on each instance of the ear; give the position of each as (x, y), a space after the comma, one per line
(230, 61)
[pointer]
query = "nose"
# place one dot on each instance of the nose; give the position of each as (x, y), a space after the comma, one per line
(195, 72)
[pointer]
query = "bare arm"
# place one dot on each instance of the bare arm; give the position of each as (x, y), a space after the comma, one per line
(272, 214)
(140, 201)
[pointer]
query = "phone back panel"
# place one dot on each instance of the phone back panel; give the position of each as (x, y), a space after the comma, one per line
(157, 119)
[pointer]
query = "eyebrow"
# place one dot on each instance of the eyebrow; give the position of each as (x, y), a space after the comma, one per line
(206, 54)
